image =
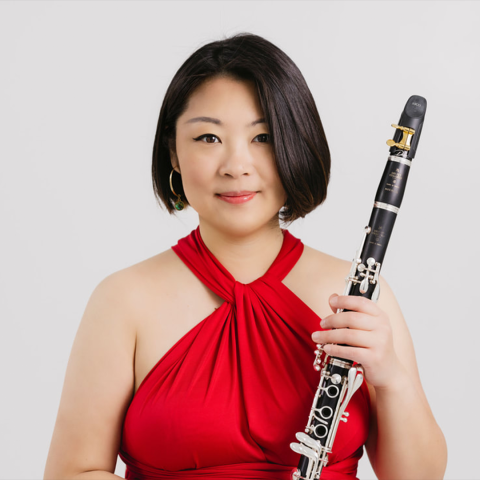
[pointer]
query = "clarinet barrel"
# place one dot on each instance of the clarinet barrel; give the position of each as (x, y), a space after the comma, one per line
(339, 379)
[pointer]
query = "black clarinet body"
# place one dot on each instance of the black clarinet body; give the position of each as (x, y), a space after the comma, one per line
(340, 378)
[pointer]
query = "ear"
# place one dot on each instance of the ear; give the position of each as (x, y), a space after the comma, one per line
(174, 162)
(174, 159)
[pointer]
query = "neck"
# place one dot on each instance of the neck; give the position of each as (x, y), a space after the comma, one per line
(247, 256)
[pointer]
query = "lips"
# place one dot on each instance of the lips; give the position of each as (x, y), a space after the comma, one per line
(236, 197)
(240, 193)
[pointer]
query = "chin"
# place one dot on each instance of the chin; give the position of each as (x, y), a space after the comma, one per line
(245, 223)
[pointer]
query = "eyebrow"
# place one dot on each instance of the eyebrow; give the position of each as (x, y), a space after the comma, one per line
(216, 121)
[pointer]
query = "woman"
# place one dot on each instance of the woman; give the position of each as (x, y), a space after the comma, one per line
(214, 337)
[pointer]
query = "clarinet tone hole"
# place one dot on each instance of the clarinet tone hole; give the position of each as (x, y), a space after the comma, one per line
(329, 410)
(331, 388)
(324, 433)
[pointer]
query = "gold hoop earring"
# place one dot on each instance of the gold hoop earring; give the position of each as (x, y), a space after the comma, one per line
(179, 205)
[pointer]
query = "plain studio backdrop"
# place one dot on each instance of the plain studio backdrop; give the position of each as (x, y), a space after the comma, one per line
(81, 89)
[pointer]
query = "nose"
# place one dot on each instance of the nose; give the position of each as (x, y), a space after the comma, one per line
(236, 161)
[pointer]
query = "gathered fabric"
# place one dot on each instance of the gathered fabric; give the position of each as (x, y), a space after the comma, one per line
(226, 400)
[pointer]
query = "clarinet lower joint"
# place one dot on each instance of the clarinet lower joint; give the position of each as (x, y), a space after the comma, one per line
(338, 382)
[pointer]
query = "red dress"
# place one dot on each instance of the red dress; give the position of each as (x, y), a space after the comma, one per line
(226, 400)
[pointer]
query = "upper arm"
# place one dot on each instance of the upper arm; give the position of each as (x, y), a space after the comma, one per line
(404, 349)
(98, 386)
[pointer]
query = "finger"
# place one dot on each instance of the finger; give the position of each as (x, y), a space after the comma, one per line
(347, 336)
(354, 303)
(355, 354)
(334, 309)
(356, 320)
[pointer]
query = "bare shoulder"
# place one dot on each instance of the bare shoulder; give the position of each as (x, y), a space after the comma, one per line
(326, 260)
(324, 270)
(100, 375)
(150, 282)
(315, 277)
(151, 270)
(158, 282)
(165, 266)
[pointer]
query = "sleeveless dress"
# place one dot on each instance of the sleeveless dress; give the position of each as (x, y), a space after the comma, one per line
(226, 400)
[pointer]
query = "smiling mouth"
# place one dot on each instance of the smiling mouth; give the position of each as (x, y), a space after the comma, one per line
(242, 193)
(236, 198)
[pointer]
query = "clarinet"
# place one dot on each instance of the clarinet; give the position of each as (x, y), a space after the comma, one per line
(340, 378)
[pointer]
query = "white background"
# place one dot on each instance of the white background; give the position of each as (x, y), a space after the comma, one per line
(81, 88)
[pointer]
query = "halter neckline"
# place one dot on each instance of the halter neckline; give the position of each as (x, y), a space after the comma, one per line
(272, 266)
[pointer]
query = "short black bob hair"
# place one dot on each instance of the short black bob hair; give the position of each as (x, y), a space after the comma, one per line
(300, 148)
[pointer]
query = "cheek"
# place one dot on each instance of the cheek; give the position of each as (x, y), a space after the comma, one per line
(275, 183)
(193, 180)
(194, 165)
(197, 181)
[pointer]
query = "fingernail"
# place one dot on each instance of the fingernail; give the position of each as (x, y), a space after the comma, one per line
(315, 336)
(323, 323)
(334, 301)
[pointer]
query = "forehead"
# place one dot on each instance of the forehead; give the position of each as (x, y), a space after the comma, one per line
(224, 98)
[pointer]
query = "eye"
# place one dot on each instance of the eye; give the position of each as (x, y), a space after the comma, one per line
(265, 138)
(207, 135)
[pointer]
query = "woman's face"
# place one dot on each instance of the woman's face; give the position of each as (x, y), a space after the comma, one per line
(227, 152)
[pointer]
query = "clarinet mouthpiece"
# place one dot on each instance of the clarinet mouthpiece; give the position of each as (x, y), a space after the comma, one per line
(409, 128)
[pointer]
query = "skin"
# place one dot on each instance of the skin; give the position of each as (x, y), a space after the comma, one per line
(127, 325)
